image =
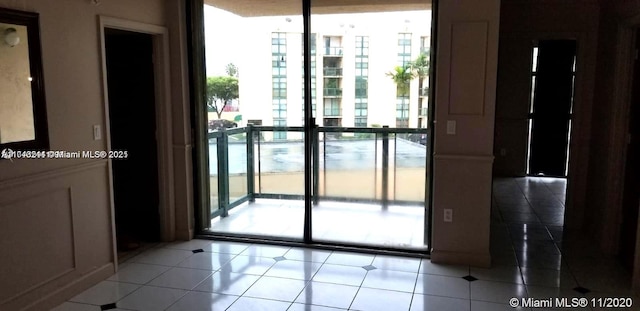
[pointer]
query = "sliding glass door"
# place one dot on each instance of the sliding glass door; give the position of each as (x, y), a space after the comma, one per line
(370, 75)
(317, 128)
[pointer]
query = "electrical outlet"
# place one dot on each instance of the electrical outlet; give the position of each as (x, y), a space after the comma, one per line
(448, 215)
(97, 133)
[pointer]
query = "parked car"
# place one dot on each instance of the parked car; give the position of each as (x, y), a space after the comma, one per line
(216, 125)
(420, 138)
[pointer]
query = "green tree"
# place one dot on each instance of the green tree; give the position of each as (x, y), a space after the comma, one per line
(402, 76)
(220, 92)
(421, 68)
(232, 70)
(421, 65)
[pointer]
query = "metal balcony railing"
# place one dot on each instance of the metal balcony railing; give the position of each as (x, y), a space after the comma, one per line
(250, 159)
(332, 51)
(332, 72)
(337, 92)
(332, 112)
(424, 91)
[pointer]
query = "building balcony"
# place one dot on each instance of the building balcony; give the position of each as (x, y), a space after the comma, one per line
(332, 72)
(333, 51)
(424, 92)
(378, 174)
(332, 92)
(332, 112)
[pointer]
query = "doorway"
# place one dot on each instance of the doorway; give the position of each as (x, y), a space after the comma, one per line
(631, 196)
(132, 120)
(552, 88)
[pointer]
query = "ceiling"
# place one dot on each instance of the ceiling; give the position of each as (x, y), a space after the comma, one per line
(252, 8)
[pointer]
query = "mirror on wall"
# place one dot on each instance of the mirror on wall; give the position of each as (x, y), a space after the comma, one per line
(23, 118)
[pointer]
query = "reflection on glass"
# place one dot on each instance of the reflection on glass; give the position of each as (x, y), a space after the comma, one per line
(237, 149)
(254, 72)
(213, 173)
(372, 183)
(409, 170)
(16, 105)
(348, 166)
(281, 166)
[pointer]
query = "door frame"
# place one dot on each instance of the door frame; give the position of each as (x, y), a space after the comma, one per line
(571, 119)
(624, 51)
(160, 39)
(580, 120)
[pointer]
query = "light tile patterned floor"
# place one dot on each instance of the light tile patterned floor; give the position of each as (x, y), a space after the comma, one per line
(531, 259)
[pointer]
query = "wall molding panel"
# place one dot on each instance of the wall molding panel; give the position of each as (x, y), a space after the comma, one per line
(55, 227)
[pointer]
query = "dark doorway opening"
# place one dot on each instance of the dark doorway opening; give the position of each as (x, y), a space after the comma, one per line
(132, 119)
(553, 76)
(631, 192)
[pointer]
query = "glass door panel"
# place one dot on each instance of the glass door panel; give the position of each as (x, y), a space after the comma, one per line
(369, 102)
(254, 99)
(371, 83)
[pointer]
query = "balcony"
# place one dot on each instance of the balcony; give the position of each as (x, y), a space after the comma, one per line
(332, 92)
(332, 112)
(424, 92)
(332, 72)
(368, 185)
(333, 51)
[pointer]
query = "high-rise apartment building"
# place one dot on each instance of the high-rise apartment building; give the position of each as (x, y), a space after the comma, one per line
(352, 57)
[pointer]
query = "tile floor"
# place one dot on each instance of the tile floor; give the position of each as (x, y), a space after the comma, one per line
(531, 259)
(397, 226)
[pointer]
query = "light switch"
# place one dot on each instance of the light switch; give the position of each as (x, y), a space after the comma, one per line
(451, 127)
(97, 133)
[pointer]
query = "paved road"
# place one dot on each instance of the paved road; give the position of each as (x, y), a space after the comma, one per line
(338, 155)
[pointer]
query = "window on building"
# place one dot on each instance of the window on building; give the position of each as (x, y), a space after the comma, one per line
(361, 86)
(404, 49)
(402, 111)
(361, 81)
(279, 82)
(332, 107)
(425, 43)
(361, 112)
(312, 43)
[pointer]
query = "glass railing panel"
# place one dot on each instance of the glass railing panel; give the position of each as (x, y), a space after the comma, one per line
(408, 165)
(330, 71)
(279, 166)
(237, 155)
(332, 51)
(347, 166)
(332, 92)
(213, 174)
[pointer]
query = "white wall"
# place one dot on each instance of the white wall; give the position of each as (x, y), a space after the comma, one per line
(55, 216)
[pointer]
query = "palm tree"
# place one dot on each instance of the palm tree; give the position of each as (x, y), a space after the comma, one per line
(421, 65)
(421, 68)
(402, 76)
